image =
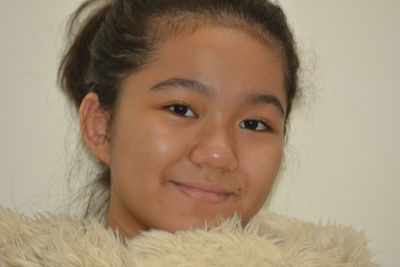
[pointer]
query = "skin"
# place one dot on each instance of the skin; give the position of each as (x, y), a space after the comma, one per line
(197, 134)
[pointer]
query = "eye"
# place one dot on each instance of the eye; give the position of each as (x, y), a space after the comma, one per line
(254, 125)
(181, 110)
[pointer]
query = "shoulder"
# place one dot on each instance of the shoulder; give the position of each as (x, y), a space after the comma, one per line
(268, 240)
(48, 239)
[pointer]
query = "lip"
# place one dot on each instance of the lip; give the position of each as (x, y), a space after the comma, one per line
(212, 193)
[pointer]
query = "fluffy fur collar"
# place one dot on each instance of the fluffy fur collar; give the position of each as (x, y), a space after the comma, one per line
(268, 240)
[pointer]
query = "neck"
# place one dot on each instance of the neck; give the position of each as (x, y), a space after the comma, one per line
(121, 221)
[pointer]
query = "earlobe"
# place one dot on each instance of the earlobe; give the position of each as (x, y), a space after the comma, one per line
(94, 123)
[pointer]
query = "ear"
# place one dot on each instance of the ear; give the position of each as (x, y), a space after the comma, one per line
(94, 123)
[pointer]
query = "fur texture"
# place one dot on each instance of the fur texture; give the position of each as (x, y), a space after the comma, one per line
(268, 240)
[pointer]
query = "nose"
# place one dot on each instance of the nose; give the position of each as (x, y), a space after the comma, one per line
(215, 148)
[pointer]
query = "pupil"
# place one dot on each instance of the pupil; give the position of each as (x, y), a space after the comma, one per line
(250, 124)
(181, 110)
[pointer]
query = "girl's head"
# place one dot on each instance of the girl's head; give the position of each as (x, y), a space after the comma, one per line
(185, 103)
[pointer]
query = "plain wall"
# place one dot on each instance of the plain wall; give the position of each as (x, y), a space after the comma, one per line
(342, 161)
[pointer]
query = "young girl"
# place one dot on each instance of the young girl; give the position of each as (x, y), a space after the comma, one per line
(184, 103)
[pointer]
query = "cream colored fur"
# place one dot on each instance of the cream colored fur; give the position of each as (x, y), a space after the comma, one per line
(268, 240)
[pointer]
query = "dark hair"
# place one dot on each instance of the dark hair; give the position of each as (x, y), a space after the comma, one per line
(119, 37)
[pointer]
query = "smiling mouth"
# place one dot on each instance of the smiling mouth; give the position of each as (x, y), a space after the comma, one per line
(203, 193)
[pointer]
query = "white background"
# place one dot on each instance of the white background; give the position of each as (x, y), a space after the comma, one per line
(342, 161)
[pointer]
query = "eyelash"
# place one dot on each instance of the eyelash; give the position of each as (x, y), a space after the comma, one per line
(177, 108)
(257, 123)
(252, 125)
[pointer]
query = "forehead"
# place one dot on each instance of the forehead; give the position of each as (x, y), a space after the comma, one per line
(230, 60)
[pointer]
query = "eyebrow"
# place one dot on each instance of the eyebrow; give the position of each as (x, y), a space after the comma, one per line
(194, 85)
(266, 99)
(206, 91)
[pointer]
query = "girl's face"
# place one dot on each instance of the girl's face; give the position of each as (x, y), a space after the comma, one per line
(198, 133)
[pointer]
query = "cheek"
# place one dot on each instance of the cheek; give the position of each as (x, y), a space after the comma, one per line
(262, 161)
(141, 151)
(262, 164)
